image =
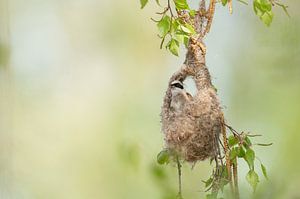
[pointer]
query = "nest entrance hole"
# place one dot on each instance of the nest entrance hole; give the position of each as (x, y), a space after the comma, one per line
(190, 85)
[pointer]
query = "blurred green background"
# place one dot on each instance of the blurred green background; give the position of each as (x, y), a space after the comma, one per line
(82, 82)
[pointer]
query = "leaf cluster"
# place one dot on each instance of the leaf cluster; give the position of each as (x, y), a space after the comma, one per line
(241, 147)
(174, 29)
(176, 24)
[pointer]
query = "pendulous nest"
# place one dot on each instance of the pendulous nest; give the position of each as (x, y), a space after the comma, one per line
(193, 131)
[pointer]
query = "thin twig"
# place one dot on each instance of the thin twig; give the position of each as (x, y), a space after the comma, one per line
(254, 135)
(226, 152)
(232, 130)
(230, 6)
(210, 15)
(235, 178)
(179, 178)
(221, 144)
(162, 42)
(154, 20)
(163, 12)
(169, 8)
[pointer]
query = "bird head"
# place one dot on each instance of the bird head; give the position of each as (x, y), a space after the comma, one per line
(176, 87)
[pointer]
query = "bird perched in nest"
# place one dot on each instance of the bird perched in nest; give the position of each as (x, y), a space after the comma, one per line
(192, 124)
(179, 96)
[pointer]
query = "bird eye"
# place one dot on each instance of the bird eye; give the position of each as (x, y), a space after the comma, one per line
(178, 85)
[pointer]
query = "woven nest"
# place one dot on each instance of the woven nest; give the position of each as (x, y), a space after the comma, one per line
(193, 132)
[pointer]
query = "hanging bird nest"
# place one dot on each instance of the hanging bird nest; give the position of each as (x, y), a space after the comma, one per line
(192, 129)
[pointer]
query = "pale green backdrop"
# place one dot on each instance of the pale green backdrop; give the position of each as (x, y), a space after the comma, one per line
(82, 83)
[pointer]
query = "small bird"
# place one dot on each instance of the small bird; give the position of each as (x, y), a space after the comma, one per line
(179, 96)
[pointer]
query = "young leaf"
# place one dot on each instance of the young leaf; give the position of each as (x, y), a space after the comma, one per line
(143, 3)
(163, 157)
(186, 42)
(263, 9)
(232, 140)
(265, 5)
(240, 152)
(158, 3)
(247, 142)
(252, 179)
(224, 2)
(181, 4)
(264, 170)
(208, 182)
(174, 47)
(186, 29)
(181, 38)
(267, 18)
(249, 157)
(224, 172)
(164, 25)
(223, 182)
(232, 154)
(190, 28)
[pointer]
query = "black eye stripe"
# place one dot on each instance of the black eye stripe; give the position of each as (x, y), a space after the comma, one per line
(178, 85)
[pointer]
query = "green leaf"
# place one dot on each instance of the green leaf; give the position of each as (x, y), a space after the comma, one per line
(232, 140)
(164, 25)
(249, 157)
(247, 142)
(224, 2)
(190, 28)
(186, 41)
(158, 3)
(143, 3)
(265, 5)
(262, 6)
(173, 47)
(208, 182)
(267, 18)
(224, 172)
(264, 170)
(181, 4)
(181, 38)
(223, 182)
(163, 157)
(252, 179)
(185, 29)
(232, 154)
(240, 152)
(263, 9)
(256, 8)
(192, 13)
